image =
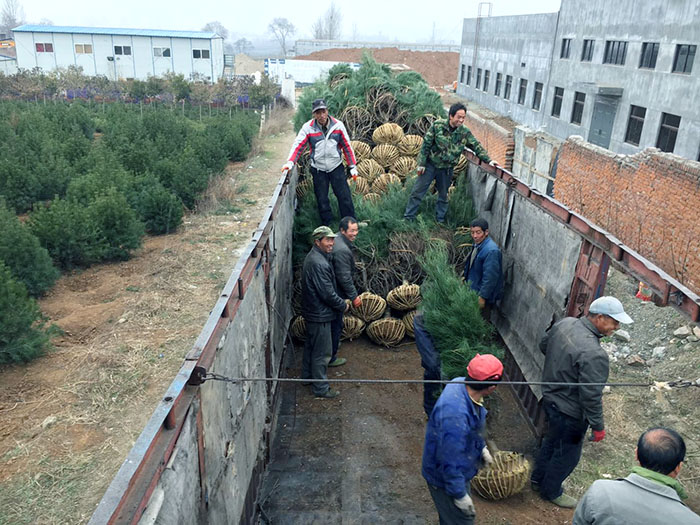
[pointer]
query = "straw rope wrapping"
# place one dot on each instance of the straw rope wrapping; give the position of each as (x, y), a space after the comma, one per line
(304, 187)
(403, 166)
(358, 122)
(298, 328)
(410, 145)
(462, 164)
(372, 307)
(360, 186)
(386, 332)
(352, 327)
(362, 150)
(370, 169)
(421, 125)
(404, 297)
(382, 183)
(407, 321)
(507, 475)
(389, 133)
(385, 154)
(405, 248)
(372, 197)
(385, 107)
(304, 161)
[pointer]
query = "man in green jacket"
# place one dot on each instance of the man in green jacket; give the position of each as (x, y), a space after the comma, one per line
(444, 142)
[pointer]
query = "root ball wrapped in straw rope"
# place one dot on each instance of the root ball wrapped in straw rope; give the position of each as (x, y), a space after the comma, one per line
(370, 169)
(382, 183)
(359, 185)
(372, 307)
(506, 476)
(462, 164)
(362, 150)
(407, 321)
(352, 327)
(403, 166)
(298, 328)
(372, 197)
(385, 154)
(386, 332)
(304, 187)
(404, 297)
(410, 145)
(389, 133)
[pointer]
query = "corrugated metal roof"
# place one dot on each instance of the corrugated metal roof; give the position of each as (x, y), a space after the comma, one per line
(30, 28)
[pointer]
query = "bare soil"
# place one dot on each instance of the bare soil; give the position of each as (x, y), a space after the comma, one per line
(439, 68)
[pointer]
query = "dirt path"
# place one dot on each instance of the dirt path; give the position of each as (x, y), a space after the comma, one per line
(68, 419)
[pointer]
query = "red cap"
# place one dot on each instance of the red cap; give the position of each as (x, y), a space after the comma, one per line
(485, 367)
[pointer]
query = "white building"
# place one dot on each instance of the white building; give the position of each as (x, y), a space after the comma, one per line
(121, 53)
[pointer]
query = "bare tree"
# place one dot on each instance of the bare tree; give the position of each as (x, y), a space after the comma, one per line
(328, 25)
(11, 17)
(242, 45)
(282, 29)
(218, 28)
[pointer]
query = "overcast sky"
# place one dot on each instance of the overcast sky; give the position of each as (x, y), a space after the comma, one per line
(407, 21)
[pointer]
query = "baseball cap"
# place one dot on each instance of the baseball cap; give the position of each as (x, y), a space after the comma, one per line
(610, 306)
(317, 104)
(485, 367)
(321, 232)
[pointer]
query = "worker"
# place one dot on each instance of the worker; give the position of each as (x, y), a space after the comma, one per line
(650, 495)
(573, 355)
(344, 266)
(430, 361)
(444, 142)
(320, 305)
(455, 447)
(327, 138)
(483, 270)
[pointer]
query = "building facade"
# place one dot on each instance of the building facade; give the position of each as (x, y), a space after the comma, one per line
(623, 76)
(121, 53)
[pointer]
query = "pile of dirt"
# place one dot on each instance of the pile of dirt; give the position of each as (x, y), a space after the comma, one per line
(437, 67)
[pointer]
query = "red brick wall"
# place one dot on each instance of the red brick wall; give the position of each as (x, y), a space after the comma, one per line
(650, 201)
(498, 142)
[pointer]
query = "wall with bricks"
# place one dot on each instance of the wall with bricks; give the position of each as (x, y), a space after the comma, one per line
(496, 140)
(650, 201)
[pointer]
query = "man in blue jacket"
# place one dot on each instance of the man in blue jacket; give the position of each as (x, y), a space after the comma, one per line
(482, 270)
(454, 440)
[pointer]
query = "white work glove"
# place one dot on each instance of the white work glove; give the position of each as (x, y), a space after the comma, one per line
(353, 172)
(465, 504)
(420, 170)
(287, 166)
(493, 163)
(486, 456)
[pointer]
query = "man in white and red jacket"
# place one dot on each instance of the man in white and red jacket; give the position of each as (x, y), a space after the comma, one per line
(328, 139)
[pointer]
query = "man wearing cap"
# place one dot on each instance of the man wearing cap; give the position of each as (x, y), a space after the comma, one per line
(327, 138)
(444, 142)
(320, 305)
(573, 355)
(454, 440)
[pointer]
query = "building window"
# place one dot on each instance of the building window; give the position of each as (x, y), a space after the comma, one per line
(83, 49)
(650, 50)
(683, 61)
(635, 124)
(565, 48)
(577, 111)
(478, 78)
(200, 53)
(556, 103)
(668, 131)
(469, 75)
(509, 84)
(46, 47)
(122, 50)
(461, 74)
(161, 51)
(615, 52)
(587, 53)
(537, 96)
(522, 91)
(499, 81)
(487, 76)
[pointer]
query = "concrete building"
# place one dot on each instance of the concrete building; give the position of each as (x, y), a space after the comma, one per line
(121, 53)
(305, 47)
(620, 75)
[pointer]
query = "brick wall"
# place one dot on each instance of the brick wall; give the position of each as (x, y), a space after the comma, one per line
(650, 201)
(497, 141)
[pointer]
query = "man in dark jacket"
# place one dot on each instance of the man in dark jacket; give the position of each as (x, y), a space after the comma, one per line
(483, 269)
(344, 266)
(651, 494)
(573, 355)
(320, 305)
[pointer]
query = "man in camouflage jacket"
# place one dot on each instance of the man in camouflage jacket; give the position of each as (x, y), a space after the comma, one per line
(444, 142)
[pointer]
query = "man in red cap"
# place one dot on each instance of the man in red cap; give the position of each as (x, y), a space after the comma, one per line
(454, 440)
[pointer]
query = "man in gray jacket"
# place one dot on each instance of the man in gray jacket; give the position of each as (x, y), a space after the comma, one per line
(344, 266)
(651, 494)
(320, 305)
(573, 355)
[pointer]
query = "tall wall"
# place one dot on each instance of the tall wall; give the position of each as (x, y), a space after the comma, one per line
(650, 201)
(498, 141)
